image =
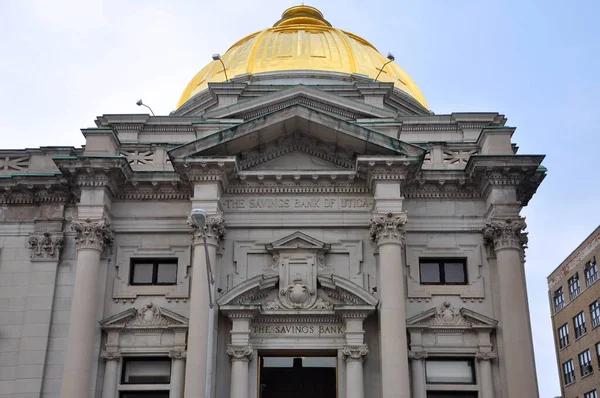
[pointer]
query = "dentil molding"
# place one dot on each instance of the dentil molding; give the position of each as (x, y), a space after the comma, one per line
(93, 234)
(388, 228)
(45, 246)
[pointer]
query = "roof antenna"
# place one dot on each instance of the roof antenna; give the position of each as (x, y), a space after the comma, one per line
(391, 59)
(217, 57)
(140, 103)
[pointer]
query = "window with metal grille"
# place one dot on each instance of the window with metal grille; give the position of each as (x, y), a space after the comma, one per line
(591, 394)
(579, 323)
(153, 271)
(559, 300)
(591, 272)
(595, 313)
(443, 271)
(574, 286)
(568, 372)
(563, 335)
(585, 363)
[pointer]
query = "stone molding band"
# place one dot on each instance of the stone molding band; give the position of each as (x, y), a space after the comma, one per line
(355, 352)
(214, 230)
(93, 234)
(240, 352)
(505, 233)
(45, 246)
(388, 228)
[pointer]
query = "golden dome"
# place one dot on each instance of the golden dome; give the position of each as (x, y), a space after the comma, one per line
(302, 40)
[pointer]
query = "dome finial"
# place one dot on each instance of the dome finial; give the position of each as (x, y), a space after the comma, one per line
(302, 15)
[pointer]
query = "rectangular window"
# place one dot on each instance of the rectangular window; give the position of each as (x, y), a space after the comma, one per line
(144, 394)
(568, 372)
(591, 394)
(563, 335)
(559, 300)
(450, 371)
(451, 394)
(436, 271)
(585, 363)
(146, 371)
(595, 313)
(591, 272)
(579, 323)
(574, 286)
(153, 271)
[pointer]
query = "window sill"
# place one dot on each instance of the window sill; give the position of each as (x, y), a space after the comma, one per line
(589, 374)
(570, 384)
(565, 347)
(583, 335)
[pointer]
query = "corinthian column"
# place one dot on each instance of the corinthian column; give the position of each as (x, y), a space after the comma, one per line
(240, 356)
(199, 329)
(109, 388)
(178, 373)
(485, 371)
(92, 237)
(387, 231)
(419, 382)
(355, 387)
(505, 236)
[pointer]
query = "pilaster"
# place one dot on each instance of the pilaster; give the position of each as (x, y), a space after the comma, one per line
(111, 364)
(419, 382)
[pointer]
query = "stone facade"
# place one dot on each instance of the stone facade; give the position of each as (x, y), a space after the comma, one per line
(579, 265)
(324, 194)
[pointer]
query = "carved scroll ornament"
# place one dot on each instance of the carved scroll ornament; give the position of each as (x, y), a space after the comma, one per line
(214, 230)
(388, 228)
(486, 356)
(505, 234)
(240, 352)
(46, 246)
(93, 234)
(355, 352)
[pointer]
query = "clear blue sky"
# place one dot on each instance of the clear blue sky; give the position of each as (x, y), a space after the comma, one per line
(63, 62)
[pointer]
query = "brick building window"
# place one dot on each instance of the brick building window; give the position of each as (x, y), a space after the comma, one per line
(443, 271)
(559, 300)
(145, 378)
(585, 363)
(598, 351)
(574, 286)
(579, 323)
(595, 313)
(153, 271)
(563, 335)
(568, 372)
(591, 272)
(591, 394)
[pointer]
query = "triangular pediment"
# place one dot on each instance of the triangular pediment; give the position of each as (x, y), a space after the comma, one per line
(297, 240)
(296, 161)
(148, 316)
(446, 316)
(284, 124)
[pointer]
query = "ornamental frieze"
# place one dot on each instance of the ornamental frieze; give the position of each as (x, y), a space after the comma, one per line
(93, 234)
(214, 230)
(505, 234)
(388, 228)
(45, 246)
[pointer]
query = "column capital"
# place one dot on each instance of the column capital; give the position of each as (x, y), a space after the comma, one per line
(486, 355)
(45, 246)
(110, 355)
(93, 234)
(388, 228)
(505, 233)
(355, 352)
(240, 352)
(214, 230)
(417, 355)
(178, 354)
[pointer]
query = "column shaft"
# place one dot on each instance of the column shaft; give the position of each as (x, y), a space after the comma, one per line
(177, 378)
(419, 383)
(392, 313)
(198, 332)
(84, 309)
(109, 387)
(354, 379)
(487, 383)
(515, 326)
(239, 378)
